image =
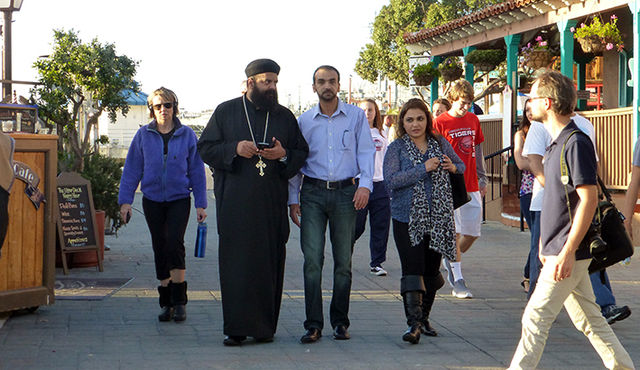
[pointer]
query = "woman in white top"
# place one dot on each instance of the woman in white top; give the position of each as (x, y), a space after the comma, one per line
(378, 207)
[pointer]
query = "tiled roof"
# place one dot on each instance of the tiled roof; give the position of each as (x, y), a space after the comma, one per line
(489, 12)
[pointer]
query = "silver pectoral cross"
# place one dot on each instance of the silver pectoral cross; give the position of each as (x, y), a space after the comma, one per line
(261, 166)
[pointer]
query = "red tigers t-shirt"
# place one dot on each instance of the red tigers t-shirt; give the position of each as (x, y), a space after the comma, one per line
(464, 133)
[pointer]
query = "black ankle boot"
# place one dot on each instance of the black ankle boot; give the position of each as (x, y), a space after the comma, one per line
(412, 289)
(166, 313)
(179, 298)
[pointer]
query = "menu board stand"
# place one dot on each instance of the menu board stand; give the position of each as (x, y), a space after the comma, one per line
(76, 217)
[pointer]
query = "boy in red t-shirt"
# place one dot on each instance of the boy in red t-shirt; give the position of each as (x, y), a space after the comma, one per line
(462, 129)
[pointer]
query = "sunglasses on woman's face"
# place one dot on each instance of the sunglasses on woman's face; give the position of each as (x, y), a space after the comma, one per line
(166, 105)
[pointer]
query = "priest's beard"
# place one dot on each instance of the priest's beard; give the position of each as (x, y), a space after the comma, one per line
(267, 99)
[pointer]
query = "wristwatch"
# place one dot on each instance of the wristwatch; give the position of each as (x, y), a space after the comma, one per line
(284, 159)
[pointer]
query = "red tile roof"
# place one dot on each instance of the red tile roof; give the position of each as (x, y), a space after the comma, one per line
(491, 11)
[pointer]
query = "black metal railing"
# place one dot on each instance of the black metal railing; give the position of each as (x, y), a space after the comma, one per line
(494, 171)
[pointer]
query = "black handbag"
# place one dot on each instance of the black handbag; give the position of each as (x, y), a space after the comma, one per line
(608, 221)
(458, 190)
(607, 238)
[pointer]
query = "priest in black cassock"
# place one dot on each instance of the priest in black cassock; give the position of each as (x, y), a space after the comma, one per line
(253, 145)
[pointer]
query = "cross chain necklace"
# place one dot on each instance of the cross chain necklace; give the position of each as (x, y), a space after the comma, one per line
(260, 165)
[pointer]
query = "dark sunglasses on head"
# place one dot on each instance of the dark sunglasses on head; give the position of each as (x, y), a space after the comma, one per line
(166, 105)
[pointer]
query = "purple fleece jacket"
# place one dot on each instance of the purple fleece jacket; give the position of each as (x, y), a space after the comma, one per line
(164, 179)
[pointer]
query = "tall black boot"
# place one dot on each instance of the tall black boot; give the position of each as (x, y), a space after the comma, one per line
(432, 284)
(166, 313)
(412, 288)
(179, 298)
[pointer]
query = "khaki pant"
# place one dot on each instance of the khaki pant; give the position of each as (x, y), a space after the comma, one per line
(576, 294)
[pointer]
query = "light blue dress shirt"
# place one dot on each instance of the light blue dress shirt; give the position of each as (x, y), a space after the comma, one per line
(340, 147)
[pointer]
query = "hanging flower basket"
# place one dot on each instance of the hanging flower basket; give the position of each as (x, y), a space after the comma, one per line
(485, 60)
(538, 59)
(423, 80)
(451, 74)
(597, 36)
(592, 44)
(423, 74)
(450, 69)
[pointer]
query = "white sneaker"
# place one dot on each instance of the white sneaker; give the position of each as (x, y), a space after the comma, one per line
(447, 267)
(460, 290)
(378, 271)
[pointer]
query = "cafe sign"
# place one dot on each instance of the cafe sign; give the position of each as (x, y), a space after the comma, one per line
(23, 172)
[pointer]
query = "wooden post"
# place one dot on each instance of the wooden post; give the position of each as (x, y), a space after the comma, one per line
(566, 46)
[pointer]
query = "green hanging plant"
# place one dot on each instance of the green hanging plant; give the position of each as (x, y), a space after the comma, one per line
(597, 36)
(486, 60)
(423, 74)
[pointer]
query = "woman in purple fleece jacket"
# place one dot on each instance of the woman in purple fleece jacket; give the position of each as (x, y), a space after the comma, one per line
(164, 160)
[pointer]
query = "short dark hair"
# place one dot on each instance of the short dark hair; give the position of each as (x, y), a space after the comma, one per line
(326, 66)
(442, 101)
(560, 89)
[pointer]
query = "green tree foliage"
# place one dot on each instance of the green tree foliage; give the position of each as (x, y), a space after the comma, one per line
(74, 75)
(441, 12)
(387, 55)
(104, 173)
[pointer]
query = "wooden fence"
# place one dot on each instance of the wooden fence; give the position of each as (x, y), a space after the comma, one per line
(614, 144)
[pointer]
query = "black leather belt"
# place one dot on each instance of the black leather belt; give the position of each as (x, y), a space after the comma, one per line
(331, 185)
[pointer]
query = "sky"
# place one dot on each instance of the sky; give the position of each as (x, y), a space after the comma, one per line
(200, 48)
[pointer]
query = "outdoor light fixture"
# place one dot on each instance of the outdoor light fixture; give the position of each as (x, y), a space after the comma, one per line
(10, 5)
(7, 7)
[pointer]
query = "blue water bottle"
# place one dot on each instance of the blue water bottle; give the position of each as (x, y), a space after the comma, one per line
(201, 240)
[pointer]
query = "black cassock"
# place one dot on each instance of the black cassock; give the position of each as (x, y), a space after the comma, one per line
(252, 215)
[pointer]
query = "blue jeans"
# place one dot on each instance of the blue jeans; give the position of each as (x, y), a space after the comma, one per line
(534, 262)
(379, 210)
(319, 205)
(525, 202)
(603, 292)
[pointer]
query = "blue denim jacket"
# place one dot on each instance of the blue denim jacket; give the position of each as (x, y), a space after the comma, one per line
(400, 175)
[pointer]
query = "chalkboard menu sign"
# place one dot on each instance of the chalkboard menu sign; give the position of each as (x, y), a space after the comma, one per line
(76, 216)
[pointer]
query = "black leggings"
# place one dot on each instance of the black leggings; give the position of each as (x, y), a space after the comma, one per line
(415, 260)
(167, 222)
(4, 215)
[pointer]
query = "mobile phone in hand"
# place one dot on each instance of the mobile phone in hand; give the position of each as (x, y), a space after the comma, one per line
(265, 145)
(127, 218)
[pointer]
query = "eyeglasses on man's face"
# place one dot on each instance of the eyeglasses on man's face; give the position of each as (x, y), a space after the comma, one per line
(539, 97)
(166, 105)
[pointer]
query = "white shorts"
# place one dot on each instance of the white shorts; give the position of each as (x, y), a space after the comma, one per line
(468, 218)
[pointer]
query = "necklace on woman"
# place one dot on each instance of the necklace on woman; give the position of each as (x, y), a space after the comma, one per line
(260, 165)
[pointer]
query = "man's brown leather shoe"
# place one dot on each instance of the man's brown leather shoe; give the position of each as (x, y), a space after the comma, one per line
(341, 333)
(312, 335)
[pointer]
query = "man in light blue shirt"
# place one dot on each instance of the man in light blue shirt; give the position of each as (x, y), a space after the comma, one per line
(326, 189)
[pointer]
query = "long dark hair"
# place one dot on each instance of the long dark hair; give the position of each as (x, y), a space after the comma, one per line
(524, 122)
(415, 104)
(377, 120)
